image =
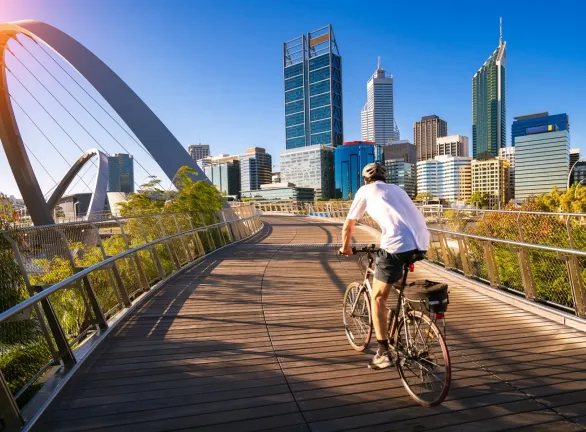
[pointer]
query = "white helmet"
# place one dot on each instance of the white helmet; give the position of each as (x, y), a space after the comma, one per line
(373, 170)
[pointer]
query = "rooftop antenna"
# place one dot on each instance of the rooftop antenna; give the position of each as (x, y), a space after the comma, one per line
(501, 31)
(378, 62)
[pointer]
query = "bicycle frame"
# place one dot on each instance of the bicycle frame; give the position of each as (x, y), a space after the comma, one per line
(400, 308)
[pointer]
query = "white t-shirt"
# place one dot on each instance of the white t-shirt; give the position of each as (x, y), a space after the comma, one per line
(403, 226)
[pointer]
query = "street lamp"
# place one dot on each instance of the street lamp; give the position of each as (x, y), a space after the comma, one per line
(572, 169)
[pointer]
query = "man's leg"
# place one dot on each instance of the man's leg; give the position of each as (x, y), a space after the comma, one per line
(380, 294)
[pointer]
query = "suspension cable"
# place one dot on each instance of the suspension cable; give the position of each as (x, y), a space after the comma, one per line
(42, 133)
(85, 109)
(130, 135)
(49, 114)
(61, 104)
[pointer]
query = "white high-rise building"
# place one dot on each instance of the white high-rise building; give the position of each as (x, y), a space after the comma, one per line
(445, 177)
(378, 115)
(508, 153)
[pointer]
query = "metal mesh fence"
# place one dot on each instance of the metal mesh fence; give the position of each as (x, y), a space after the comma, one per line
(35, 258)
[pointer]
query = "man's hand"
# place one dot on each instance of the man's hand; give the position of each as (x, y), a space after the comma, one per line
(346, 251)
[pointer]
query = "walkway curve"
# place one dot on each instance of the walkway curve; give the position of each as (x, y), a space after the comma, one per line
(251, 339)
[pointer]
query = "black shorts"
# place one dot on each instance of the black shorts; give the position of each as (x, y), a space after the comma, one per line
(389, 266)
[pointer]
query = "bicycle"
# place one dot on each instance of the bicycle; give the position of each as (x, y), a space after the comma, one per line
(417, 344)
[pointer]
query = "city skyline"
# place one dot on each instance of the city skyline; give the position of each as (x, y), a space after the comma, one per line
(407, 54)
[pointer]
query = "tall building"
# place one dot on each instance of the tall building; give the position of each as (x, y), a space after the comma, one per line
(313, 90)
(280, 192)
(534, 123)
(402, 174)
(574, 156)
(579, 173)
(445, 177)
(378, 114)
(492, 177)
(198, 151)
(402, 149)
(508, 153)
(255, 169)
(224, 173)
(120, 173)
(349, 160)
(488, 103)
(453, 145)
(425, 135)
(541, 162)
(310, 167)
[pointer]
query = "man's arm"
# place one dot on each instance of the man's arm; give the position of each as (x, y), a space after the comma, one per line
(347, 232)
(356, 211)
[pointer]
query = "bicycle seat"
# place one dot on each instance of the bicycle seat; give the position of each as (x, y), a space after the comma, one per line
(417, 256)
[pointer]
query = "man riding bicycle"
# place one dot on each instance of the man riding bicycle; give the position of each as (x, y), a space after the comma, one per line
(404, 233)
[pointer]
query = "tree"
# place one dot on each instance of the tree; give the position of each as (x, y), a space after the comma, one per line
(479, 200)
(423, 196)
(59, 213)
(191, 197)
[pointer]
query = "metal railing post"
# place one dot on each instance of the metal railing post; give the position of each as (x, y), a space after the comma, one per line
(463, 247)
(172, 252)
(136, 261)
(576, 285)
(32, 291)
(65, 354)
(10, 418)
(526, 273)
(187, 251)
(114, 273)
(493, 274)
(86, 287)
(153, 252)
(444, 249)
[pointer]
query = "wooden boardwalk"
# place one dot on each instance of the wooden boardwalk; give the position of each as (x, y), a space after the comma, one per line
(252, 339)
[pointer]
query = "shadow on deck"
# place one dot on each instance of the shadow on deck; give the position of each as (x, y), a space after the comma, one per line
(251, 339)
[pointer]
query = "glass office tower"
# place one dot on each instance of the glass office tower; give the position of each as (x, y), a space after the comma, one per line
(539, 122)
(349, 160)
(488, 104)
(313, 90)
(120, 173)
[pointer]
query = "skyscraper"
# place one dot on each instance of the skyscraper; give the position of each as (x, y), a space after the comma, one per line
(425, 134)
(453, 145)
(488, 103)
(313, 90)
(120, 173)
(255, 169)
(198, 151)
(310, 167)
(401, 149)
(528, 124)
(378, 115)
(445, 177)
(349, 160)
(542, 161)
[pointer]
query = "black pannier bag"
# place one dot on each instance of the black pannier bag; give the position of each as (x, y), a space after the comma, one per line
(434, 295)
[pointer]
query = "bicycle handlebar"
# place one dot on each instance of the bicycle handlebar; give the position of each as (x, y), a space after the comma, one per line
(364, 249)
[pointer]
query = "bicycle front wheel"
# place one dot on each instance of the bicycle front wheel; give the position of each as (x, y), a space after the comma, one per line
(357, 316)
(423, 359)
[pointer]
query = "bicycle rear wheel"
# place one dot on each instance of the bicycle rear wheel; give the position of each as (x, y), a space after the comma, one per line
(357, 316)
(423, 359)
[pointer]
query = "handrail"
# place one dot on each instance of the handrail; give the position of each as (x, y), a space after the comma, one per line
(31, 301)
(511, 242)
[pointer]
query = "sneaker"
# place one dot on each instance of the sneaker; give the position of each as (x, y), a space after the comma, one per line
(380, 361)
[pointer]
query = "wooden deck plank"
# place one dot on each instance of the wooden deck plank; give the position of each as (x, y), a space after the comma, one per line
(251, 339)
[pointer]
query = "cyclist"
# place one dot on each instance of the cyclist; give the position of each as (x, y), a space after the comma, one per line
(404, 232)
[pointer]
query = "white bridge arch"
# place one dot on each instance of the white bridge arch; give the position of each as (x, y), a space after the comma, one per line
(150, 131)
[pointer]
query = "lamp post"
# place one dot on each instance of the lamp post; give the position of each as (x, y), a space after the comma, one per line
(571, 170)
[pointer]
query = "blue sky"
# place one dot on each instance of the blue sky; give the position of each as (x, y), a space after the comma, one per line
(212, 71)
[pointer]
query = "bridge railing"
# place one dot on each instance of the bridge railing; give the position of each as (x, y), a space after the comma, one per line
(541, 256)
(63, 285)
